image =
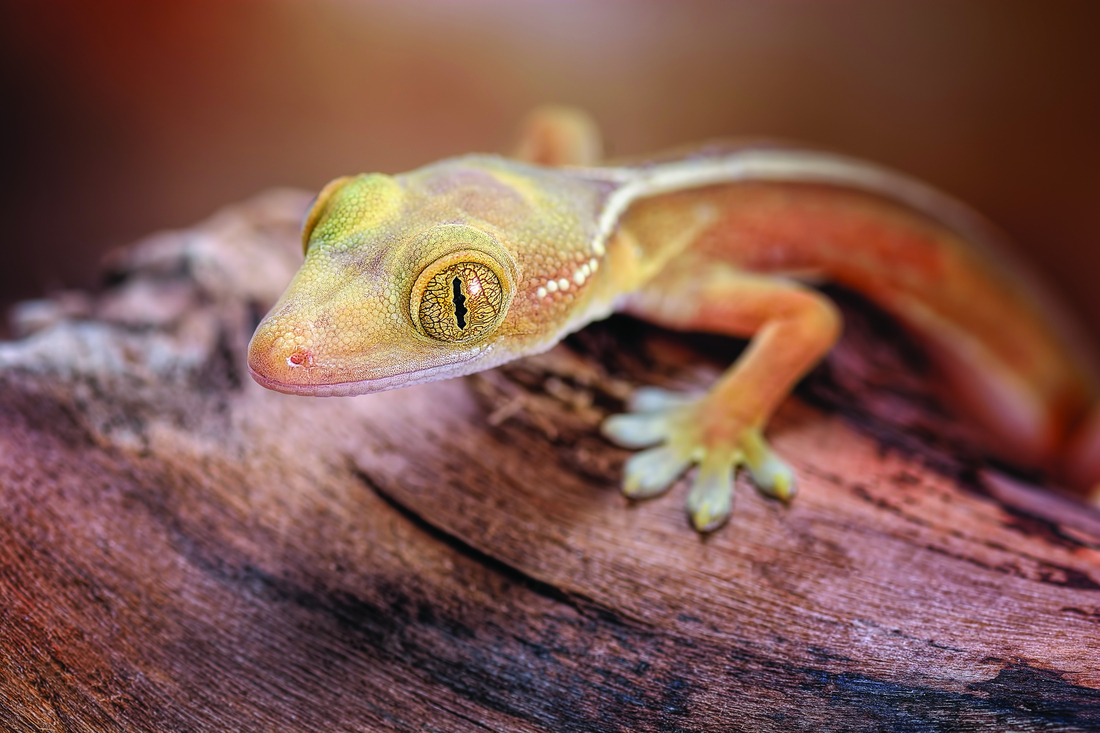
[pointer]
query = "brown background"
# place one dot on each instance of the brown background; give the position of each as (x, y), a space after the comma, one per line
(120, 118)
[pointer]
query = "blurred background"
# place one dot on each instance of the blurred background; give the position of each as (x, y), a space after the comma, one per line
(119, 118)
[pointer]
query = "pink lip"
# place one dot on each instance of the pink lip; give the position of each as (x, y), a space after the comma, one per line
(363, 386)
(340, 389)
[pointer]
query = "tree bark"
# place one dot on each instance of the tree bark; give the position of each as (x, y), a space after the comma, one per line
(181, 550)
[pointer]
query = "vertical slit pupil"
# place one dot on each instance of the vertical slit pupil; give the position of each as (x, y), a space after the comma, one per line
(460, 303)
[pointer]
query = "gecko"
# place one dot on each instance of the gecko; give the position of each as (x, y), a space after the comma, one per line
(473, 261)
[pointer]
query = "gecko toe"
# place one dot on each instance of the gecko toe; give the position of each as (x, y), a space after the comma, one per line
(770, 473)
(651, 473)
(710, 502)
(653, 399)
(637, 430)
(774, 477)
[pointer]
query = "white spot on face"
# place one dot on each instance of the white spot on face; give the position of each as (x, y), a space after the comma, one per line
(552, 286)
(563, 284)
(578, 277)
(541, 292)
(594, 263)
(598, 248)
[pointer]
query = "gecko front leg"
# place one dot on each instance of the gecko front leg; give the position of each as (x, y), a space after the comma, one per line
(792, 327)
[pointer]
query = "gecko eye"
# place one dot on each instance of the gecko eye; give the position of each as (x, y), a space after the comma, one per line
(459, 301)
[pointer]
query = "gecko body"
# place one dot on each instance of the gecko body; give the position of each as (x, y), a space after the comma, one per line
(474, 261)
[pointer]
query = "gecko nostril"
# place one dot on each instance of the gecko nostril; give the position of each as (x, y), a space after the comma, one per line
(297, 358)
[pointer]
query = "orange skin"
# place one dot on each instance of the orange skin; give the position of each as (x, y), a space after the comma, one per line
(471, 262)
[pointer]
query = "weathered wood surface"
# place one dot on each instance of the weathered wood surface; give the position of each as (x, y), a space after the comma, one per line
(181, 550)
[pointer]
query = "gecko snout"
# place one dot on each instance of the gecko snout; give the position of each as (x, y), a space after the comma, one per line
(281, 357)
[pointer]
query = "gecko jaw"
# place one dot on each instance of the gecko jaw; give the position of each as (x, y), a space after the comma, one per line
(375, 384)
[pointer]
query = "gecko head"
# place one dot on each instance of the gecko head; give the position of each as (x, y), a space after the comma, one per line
(388, 296)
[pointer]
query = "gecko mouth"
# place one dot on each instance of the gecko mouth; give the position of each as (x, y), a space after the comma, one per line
(309, 390)
(367, 386)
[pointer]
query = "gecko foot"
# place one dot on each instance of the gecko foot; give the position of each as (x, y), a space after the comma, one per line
(687, 430)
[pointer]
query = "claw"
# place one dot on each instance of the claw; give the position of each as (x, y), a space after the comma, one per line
(651, 473)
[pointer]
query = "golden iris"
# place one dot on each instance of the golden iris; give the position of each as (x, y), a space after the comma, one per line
(461, 302)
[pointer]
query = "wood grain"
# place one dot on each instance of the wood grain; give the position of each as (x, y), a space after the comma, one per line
(181, 550)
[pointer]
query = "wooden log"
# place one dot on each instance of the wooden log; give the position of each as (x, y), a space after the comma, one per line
(181, 550)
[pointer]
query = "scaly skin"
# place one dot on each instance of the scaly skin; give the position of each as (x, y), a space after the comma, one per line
(474, 261)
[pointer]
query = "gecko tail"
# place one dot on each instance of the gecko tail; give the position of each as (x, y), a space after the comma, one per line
(1039, 409)
(1028, 427)
(1022, 422)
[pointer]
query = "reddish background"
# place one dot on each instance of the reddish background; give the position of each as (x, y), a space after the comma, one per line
(120, 118)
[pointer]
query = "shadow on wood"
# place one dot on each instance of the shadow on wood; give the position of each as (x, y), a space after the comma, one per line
(183, 550)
